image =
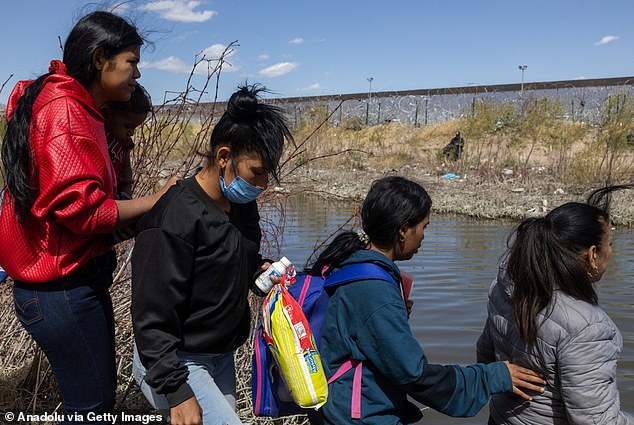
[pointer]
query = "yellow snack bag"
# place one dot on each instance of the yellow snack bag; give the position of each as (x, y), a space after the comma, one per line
(291, 342)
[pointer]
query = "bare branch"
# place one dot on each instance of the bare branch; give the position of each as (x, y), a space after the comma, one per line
(120, 4)
(5, 83)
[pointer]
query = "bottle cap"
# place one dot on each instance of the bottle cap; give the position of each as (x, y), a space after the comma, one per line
(285, 261)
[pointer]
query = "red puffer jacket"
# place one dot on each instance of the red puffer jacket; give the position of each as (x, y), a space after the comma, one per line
(74, 209)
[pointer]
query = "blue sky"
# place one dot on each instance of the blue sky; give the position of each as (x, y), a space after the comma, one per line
(301, 48)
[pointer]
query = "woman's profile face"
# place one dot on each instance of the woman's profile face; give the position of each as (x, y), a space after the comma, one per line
(604, 252)
(119, 73)
(413, 237)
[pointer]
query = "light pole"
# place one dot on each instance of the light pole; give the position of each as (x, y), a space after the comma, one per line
(522, 68)
(367, 105)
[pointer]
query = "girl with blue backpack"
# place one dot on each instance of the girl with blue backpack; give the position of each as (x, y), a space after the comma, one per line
(368, 350)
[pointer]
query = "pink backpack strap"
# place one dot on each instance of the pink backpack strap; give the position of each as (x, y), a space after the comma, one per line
(302, 294)
(355, 407)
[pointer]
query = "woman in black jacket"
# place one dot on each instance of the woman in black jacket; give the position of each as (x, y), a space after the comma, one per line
(193, 263)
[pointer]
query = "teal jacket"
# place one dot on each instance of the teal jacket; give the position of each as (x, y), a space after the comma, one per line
(367, 321)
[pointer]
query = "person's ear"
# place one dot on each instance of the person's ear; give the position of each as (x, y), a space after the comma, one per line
(402, 232)
(592, 256)
(223, 156)
(99, 59)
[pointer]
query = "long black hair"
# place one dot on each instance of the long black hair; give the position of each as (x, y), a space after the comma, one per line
(391, 203)
(250, 126)
(547, 255)
(96, 30)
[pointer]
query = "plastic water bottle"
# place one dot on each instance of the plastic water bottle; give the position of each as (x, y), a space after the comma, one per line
(263, 283)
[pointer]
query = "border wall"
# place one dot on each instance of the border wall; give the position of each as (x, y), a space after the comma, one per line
(582, 100)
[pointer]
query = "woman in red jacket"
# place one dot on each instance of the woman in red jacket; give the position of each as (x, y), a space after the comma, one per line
(59, 208)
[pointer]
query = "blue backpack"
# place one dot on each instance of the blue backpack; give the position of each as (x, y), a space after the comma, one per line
(269, 393)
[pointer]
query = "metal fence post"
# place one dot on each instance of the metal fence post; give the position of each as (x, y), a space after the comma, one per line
(416, 115)
(426, 100)
(367, 112)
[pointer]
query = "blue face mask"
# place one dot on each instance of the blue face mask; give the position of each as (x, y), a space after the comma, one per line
(239, 191)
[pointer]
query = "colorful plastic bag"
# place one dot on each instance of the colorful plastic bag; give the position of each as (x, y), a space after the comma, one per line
(291, 342)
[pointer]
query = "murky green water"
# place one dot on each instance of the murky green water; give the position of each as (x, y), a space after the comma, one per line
(453, 270)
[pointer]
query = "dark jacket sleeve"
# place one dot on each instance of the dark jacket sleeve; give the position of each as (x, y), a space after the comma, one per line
(161, 267)
(463, 391)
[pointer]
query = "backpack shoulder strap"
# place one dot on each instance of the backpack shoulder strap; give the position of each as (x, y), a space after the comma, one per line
(357, 272)
(305, 286)
(355, 404)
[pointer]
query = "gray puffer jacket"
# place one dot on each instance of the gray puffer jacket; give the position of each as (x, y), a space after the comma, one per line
(577, 349)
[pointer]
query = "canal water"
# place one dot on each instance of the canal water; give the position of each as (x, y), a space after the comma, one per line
(453, 271)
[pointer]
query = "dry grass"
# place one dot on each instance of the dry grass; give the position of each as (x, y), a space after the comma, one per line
(536, 143)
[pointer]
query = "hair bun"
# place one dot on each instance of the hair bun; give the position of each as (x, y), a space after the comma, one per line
(243, 104)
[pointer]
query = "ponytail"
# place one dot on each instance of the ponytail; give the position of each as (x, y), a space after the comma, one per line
(16, 151)
(530, 270)
(546, 256)
(342, 246)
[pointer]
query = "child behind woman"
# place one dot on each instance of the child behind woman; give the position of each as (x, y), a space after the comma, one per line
(120, 121)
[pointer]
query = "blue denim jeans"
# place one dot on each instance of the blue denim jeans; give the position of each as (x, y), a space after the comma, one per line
(212, 378)
(74, 325)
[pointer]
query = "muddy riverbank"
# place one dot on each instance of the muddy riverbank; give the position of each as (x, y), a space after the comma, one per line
(508, 197)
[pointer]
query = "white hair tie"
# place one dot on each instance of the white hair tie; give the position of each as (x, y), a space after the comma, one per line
(363, 237)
